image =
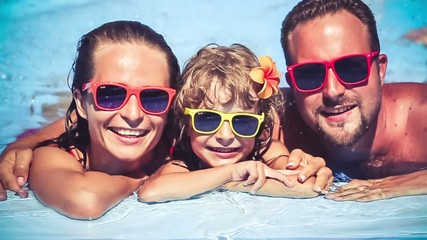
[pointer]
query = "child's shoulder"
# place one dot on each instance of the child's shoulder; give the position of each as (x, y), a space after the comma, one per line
(172, 166)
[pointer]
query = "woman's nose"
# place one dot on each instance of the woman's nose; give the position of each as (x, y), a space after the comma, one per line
(132, 112)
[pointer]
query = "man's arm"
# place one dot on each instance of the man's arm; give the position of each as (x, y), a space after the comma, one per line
(376, 189)
(16, 159)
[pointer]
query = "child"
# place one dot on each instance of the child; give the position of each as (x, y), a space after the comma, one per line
(225, 109)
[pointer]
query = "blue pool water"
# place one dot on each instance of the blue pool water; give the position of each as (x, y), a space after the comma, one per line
(37, 47)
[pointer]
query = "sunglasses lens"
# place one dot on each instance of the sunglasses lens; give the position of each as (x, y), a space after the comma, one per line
(110, 96)
(206, 121)
(309, 76)
(245, 125)
(154, 100)
(352, 69)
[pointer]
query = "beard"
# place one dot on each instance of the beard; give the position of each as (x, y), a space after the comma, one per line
(347, 134)
(343, 135)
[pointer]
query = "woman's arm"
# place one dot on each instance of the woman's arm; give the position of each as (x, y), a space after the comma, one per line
(175, 182)
(16, 158)
(60, 182)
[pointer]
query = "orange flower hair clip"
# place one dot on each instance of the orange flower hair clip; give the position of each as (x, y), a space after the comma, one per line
(266, 75)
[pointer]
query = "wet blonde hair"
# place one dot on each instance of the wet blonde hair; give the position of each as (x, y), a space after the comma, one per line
(226, 69)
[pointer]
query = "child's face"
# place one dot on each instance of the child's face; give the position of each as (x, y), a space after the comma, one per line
(223, 146)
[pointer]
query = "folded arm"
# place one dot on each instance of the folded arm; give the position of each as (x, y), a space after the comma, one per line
(175, 181)
(60, 182)
(274, 188)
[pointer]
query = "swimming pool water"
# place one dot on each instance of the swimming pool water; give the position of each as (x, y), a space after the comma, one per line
(37, 47)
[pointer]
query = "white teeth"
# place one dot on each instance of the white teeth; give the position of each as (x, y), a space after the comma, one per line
(224, 150)
(338, 111)
(129, 132)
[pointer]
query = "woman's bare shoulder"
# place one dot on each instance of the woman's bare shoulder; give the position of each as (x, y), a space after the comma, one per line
(51, 156)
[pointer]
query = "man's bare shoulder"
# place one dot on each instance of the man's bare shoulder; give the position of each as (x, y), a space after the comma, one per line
(406, 91)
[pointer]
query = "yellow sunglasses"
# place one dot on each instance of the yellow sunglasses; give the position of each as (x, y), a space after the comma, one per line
(204, 121)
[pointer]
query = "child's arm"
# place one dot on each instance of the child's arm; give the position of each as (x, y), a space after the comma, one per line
(274, 188)
(175, 181)
(277, 155)
(60, 182)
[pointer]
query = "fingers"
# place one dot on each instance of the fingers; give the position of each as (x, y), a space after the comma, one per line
(8, 179)
(295, 158)
(271, 173)
(354, 184)
(258, 173)
(315, 167)
(260, 177)
(358, 190)
(3, 195)
(324, 179)
(22, 165)
(312, 166)
(361, 194)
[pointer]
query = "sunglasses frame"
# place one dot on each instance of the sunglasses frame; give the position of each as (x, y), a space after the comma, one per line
(224, 117)
(331, 65)
(129, 92)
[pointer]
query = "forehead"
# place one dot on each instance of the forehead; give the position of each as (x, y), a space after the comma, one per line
(132, 64)
(328, 37)
(227, 97)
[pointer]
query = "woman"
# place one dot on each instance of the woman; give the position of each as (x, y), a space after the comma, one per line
(122, 88)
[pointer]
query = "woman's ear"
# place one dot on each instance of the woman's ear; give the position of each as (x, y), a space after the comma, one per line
(78, 98)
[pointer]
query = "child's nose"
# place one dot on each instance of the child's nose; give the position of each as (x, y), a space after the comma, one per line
(225, 133)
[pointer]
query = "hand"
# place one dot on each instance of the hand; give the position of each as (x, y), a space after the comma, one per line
(377, 189)
(14, 167)
(254, 172)
(311, 166)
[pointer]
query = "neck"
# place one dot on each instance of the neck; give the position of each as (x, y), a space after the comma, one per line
(102, 161)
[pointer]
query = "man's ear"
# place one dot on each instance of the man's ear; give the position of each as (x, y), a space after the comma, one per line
(78, 98)
(382, 67)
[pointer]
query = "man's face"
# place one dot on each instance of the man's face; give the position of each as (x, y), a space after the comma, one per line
(340, 114)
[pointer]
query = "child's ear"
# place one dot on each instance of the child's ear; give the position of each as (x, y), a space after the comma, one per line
(78, 98)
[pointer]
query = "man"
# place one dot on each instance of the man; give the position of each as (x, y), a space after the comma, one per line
(339, 107)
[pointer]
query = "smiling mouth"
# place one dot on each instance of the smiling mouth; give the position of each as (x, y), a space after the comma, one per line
(223, 150)
(337, 111)
(129, 133)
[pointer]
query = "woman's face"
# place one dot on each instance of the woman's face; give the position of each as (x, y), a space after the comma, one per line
(123, 139)
(223, 146)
